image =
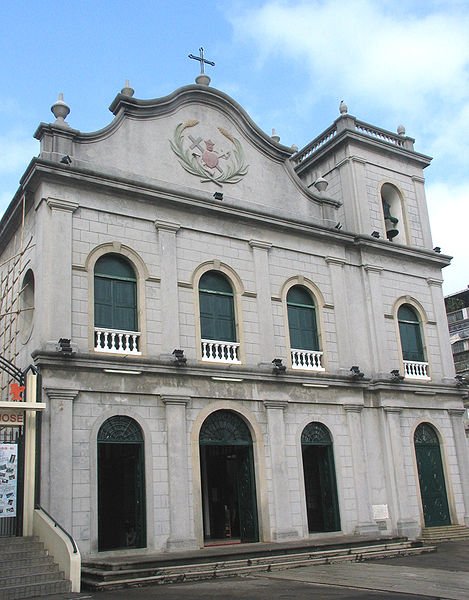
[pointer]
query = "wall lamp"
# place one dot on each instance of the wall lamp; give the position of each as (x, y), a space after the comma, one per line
(396, 376)
(437, 249)
(460, 380)
(66, 160)
(338, 225)
(278, 366)
(179, 358)
(218, 195)
(375, 234)
(356, 373)
(65, 347)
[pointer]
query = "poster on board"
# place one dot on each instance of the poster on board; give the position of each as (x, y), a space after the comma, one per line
(8, 479)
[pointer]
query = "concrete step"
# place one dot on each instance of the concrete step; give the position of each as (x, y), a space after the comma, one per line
(102, 577)
(444, 534)
(35, 590)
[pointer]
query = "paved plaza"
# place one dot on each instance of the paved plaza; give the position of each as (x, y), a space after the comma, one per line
(441, 575)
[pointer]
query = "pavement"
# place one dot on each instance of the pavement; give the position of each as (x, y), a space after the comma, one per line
(442, 575)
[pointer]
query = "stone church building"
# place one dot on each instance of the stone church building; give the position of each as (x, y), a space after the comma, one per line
(238, 341)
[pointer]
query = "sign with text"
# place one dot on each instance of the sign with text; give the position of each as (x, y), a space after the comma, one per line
(11, 418)
(8, 479)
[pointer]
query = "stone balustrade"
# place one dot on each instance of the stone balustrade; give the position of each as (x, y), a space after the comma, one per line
(116, 341)
(220, 352)
(309, 360)
(416, 370)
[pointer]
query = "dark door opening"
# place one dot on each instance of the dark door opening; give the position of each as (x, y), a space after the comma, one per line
(121, 485)
(228, 485)
(322, 506)
(431, 477)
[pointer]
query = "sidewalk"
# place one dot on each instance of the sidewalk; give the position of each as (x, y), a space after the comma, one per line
(441, 575)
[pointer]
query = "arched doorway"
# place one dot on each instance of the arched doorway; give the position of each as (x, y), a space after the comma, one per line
(322, 504)
(228, 481)
(431, 477)
(121, 485)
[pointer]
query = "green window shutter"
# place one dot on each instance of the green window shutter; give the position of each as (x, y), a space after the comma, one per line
(217, 315)
(115, 294)
(302, 320)
(410, 334)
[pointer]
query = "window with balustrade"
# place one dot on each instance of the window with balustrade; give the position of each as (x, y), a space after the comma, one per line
(413, 352)
(217, 319)
(302, 325)
(115, 306)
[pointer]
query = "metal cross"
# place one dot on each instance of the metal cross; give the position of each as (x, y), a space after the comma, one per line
(203, 61)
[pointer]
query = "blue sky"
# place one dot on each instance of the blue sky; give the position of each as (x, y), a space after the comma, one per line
(288, 63)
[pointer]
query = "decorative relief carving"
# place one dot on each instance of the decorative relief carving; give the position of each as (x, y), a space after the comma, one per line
(205, 158)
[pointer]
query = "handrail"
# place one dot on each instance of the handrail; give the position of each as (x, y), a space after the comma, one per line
(57, 524)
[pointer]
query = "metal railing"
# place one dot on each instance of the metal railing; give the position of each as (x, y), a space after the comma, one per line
(57, 524)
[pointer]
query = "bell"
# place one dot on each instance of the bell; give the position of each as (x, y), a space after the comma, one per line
(391, 233)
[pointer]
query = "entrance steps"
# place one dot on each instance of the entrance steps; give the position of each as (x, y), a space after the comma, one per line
(28, 571)
(448, 533)
(127, 571)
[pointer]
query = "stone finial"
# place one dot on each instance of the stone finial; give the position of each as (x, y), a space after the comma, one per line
(275, 137)
(343, 108)
(294, 147)
(401, 130)
(127, 90)
(60, 110)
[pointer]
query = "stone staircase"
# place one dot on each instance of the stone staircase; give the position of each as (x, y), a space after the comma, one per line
(448, 533)
(27, 570)
(128, 571)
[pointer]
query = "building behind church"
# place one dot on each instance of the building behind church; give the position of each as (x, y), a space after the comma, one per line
(238, 341)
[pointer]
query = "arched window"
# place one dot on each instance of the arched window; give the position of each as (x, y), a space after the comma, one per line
(411, 343)
(115, 305)
(302, 326)
(217, 318)
(27, 306)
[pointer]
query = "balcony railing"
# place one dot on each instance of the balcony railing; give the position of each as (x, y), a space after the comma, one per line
(116, 341)
(220, 352)
(309, 360)
(416, 370)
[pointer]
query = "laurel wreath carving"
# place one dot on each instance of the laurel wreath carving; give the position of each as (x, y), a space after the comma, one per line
(236, 168)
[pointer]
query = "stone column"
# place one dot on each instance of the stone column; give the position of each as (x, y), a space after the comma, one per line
(406, 525)
(342, 321)
(280, 487)
(169, 284)
(264, 302)
(365, 522)
(181, 536)
(54, 246)
(460, 443)
(60, 454)
(441, 323)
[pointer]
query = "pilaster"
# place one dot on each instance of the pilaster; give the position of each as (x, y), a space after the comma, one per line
(283, 529)
(60, 412)
(169, 289)
(460, 443)
(365, 523)
(342, 321)
(266, 326)
(444, 345)
(181, 536)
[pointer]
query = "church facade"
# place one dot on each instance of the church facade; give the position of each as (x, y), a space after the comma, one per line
(238, 341)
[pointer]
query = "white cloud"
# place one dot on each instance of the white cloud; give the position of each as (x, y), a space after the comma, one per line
(448, 207)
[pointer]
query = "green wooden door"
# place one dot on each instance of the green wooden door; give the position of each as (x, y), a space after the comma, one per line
(247, 497)
(431, 477)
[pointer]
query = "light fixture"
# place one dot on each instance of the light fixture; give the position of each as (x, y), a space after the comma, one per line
(437, 249)
(460, 380)
(218, 195)
(356, 373)
(278, 366)
(321, 184)
(122, 371)
(65, 347)
(66, 160)
(179, 358)
(375, 234)
(338, 225)
(396, 376)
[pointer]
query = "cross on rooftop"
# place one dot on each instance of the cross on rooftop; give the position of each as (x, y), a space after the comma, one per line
(203, 61)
